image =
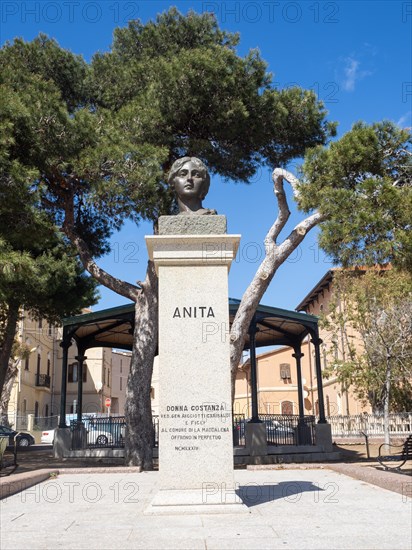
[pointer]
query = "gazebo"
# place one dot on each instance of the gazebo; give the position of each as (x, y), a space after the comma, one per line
(270, 326)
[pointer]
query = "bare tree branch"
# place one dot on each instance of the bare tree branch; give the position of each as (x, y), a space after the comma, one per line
(275, 256)
(121, 287)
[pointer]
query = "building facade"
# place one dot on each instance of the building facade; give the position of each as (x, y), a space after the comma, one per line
(35, 396)
(276, 372)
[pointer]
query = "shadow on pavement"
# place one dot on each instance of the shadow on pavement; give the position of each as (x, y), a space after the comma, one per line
(255, 494)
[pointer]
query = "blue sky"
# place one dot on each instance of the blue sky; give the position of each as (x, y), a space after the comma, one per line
(355, 55)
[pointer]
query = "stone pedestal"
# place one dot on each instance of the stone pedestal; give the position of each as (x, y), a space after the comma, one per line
(323, 437)
(62, 442)
(256, 438)
(195, 418)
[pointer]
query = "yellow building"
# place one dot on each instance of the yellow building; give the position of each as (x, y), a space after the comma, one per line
(277, 377)
(32, 395)
(35, 396)
(105, 374)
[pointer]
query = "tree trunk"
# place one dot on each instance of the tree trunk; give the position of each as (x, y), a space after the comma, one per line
(386, 399)
(6, 345)
(138, 410)
(6, 392)
(275, 255)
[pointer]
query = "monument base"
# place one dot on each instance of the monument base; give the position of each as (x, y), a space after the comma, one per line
(256, 438)
(62, 442)
(323, 437)
(196, 501)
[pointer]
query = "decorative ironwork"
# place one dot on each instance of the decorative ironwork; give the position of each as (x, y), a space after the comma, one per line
(289, 429)
(239, 430)
(103, 432)
(43, 380)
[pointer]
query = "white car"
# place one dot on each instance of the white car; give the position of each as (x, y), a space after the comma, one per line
(94, 437)
(47, 437)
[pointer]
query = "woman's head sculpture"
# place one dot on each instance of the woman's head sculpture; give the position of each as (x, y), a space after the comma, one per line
(191, 180)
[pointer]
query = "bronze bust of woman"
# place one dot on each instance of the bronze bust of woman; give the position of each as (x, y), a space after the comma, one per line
(191, 180)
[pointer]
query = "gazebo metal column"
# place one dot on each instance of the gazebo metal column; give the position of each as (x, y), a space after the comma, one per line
(65, 344)
(316, 341)
(253, 371)
(255, 429)
(298, 356)
(303, 434)
(81, 358)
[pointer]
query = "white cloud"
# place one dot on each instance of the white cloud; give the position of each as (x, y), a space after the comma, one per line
(352, 74)
(405, 120)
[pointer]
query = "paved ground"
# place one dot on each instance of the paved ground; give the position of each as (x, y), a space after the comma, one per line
(348, 504)
(287, 508)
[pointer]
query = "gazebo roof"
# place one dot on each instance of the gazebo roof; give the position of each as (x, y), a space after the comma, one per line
(114, 327)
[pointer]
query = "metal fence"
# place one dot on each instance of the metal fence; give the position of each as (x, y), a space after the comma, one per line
(370, 424)
(104, 432)
(239, 430)
(280, 429)
(289, 429)
(109, 432)
(98, 432)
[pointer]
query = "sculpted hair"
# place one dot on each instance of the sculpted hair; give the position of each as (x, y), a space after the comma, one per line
(177, 165)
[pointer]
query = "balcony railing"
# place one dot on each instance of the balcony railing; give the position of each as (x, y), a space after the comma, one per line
(43, 380)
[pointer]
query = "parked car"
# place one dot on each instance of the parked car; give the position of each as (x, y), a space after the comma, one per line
(276, 426)
(99, 431)
(23, 439)
(98, 436)
(111, 430)
(47, 436)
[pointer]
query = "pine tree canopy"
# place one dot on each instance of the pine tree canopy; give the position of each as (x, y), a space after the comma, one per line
(102, 136)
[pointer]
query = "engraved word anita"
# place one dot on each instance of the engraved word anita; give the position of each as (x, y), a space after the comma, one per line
(194, 312)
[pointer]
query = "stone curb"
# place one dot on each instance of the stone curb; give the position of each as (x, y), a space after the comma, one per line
(102, 470)
(19, 482)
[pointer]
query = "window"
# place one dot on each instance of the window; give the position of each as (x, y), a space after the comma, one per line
(287, 407)
(108, 378)
(38, 363)
(46, 411)
(104, 375)
(285, 371)
(40, 323)
(121, 365)
(152, 392)
(48, 367)
(26, 363)
(74, 372)
(121, 383)
(36, 411)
